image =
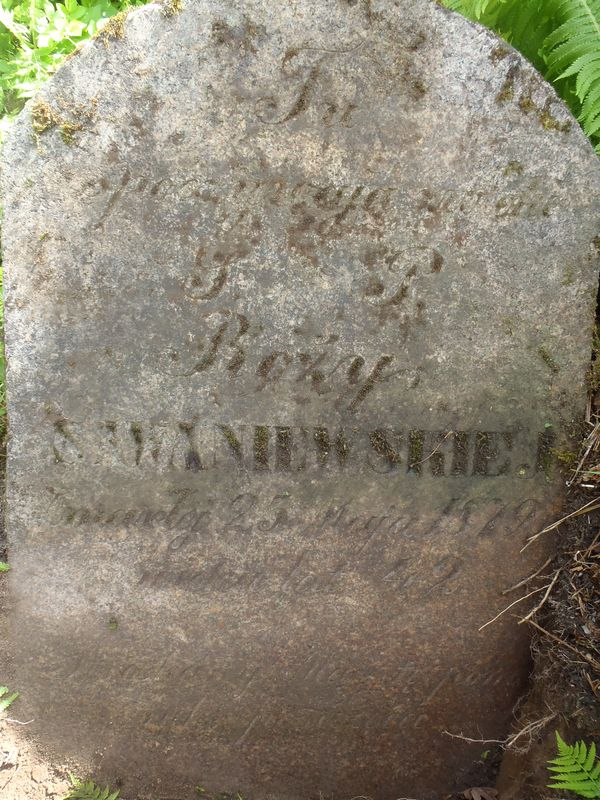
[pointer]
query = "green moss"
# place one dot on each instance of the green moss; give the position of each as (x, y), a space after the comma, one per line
(526, 104)
(569, 278)
(261, 447)
(43, 117)
(68, 130)
(593, 374)
(499, 53)
(565, 457)
(508, 207)
(507, 93)
(508, 326)
(381, 445)
(548, 360)
(171, 7)
(593, 377)
(513, 168)
(550, 123)
(233, 442)
(547, 120)
(114, 28)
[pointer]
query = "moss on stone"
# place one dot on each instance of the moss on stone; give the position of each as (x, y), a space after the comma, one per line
(548, 360)
(506, 94)
(513, 168)
(569, 278)
(43, 117)
(547, 120)
(526, 104)
(508, 326)
(114, 28)
(68, 130)
(550, 123)
(171, 7)
(498, 53)
(565, 457)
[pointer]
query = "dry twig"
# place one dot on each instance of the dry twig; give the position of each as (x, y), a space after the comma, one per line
(514, 603)
(528, 579)
(585, 656)
(590, 443)
(510, 742)
(549, 588)
(592, 505)
(433, 452)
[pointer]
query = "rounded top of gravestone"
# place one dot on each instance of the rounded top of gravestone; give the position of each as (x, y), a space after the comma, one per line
(393, 76)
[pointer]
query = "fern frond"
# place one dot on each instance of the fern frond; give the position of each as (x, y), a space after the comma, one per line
(473, 9)
(573, 51)
(89, 791)
(455, 5)
(525, 24)
(576, 768)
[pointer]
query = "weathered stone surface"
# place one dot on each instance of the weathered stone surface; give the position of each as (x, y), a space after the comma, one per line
(298, 293)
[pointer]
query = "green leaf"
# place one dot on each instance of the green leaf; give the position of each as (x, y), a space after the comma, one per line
(6, 701)
(90, 791)
(7, 18)
(576, 769)
(573, 50)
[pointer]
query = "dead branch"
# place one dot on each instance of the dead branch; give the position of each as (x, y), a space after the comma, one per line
(592, 505)
(540, 605)
(528, 579)
(514, 603)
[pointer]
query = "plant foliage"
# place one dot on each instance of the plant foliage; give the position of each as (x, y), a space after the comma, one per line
(576, 769)
(6, 698)
(89, 791)
(573, 51)
(560, 37)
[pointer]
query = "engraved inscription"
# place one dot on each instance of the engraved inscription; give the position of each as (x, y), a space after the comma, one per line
(385, 450)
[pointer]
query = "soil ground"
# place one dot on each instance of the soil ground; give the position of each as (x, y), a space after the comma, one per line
(565, 682)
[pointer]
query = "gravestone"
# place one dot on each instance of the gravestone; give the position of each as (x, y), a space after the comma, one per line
(299, 299)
